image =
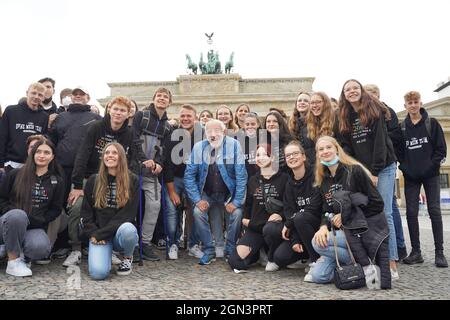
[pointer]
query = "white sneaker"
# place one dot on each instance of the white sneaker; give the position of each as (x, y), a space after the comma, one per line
(73, 259)
(173, 252)
(272, 266)
(240, 271)
(394, 275)
(115, 259)
(308, 276)
(195, 251)
(18, 268)
(219, 252)
(263, 258)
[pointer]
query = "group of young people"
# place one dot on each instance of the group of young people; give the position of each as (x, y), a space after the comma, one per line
(283, 193)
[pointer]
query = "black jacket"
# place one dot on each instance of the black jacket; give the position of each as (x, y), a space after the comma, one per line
(51, 110)
(254, 204)
(89, 153)
(367, 234)
(394, 131)
(152, 135)
(103, 223)
(421, 154)
(68, 131)
(308, 145)
(369, 145)
(47, 197)
(179, 141)
(17, 124)
(349, 178)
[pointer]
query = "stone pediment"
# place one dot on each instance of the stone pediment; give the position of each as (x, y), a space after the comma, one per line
(211, 91)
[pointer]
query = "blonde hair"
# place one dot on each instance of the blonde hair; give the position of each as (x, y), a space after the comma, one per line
(122, 180)
(323, 124)
(412, 95)
(344, 158)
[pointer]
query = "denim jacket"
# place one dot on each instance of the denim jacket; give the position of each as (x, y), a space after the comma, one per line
(231, 164)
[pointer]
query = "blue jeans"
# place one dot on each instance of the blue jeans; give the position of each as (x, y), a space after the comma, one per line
(214, 215)
(386, 182)
(323, 270)
(398, 224)
(173, 216)
(99, 260)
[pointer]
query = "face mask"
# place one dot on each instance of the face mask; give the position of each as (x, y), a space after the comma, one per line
(66, 101)
(330, 163)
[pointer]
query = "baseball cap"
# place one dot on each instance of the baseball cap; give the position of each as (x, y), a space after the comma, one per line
(80, 88)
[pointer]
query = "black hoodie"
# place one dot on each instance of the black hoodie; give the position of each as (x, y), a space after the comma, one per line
(47, 198)
(300, 196)
(369, 145)
(422, 154)
(68, 131)
(349, 178)
(17, 124)
(98, 135)
(254, 204)
(103, 223)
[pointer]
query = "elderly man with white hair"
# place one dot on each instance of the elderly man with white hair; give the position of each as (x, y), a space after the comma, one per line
(216, 178)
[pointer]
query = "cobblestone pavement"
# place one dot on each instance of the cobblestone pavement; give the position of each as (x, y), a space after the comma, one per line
(185, 279)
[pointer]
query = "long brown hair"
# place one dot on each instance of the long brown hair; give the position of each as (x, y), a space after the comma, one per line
(122, 180)
(324, 123)
(370, 111)
(26, 177)
(343, 158)
(295, 118)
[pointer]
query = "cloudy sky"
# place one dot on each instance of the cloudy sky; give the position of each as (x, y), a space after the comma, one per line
(399, 45)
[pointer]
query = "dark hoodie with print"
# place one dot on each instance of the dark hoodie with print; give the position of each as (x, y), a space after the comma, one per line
(47, 198)
(103, 223)
(17, 124)
(255, 209)
(301, 197)
(422, 152)
(369, 145)
(98, 135)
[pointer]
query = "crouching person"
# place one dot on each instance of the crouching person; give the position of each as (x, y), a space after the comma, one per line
(30, 198)
(263, 185)
(336, 173)
(108, 211)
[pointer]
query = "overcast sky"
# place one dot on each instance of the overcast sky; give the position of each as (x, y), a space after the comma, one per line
(399, 45)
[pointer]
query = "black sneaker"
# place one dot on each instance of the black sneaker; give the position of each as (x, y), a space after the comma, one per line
(161, 244)
(402, 253)
(148, 254)
(125, 267)
(440, 260)
(136, 255)
(413, 258)
(42, 262)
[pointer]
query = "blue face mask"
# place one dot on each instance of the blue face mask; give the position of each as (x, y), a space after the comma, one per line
(330, 163)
